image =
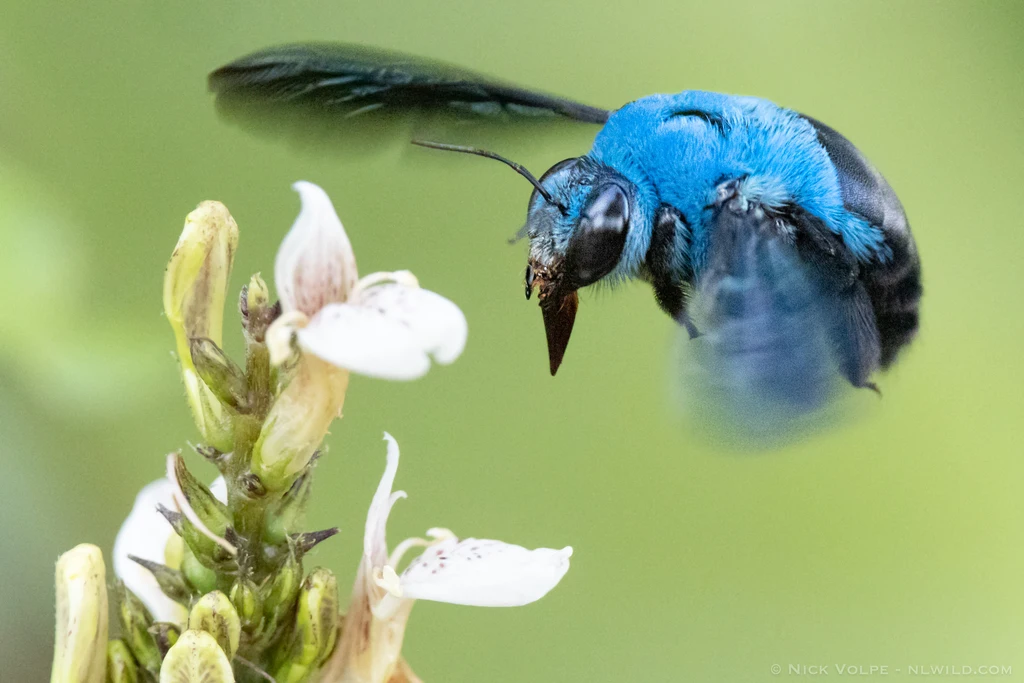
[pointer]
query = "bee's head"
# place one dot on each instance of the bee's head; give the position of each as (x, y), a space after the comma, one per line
(577, 222)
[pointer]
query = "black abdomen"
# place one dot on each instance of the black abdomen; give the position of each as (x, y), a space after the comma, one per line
(895, 291)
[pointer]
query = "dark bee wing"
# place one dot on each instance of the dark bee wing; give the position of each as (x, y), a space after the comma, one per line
(894, 285)
(345, 83)
(783, 316)
(865, 192)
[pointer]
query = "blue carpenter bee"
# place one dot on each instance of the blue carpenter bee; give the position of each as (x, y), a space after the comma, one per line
(794, 251)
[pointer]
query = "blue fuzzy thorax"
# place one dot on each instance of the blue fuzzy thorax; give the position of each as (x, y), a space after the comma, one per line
(680, 160)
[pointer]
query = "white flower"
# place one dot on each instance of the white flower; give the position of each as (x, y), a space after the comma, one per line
(382, 326)
(147, 535)
(482, 573)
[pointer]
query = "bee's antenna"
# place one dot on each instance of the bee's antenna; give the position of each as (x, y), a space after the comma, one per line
(518, 168)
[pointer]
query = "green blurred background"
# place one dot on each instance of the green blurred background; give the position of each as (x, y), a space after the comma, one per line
(896, 538)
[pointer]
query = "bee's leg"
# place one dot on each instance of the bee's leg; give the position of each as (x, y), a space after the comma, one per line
(668, 265)
(672, 298)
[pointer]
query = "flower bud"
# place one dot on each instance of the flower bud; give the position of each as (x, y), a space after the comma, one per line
(257, 295)
(135, 622)
(314, 631)
(121, 666)
(245, 596)
(165, 635)
(257, 311)
(298, 421)
(171, 581)
(215, 614)
(287, 514)
(81, 634)
(196, 657)
(224, 378)
(206, 550)
(200, 577)
(212, 419)
(210, 511)
(195, 286)
(174, 551)
(279, 595)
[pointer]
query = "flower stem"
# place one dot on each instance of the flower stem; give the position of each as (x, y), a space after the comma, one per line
(258, 375)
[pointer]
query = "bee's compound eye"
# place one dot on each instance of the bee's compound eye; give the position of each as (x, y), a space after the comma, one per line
(600, 237)
(529, 281)
(609, 210)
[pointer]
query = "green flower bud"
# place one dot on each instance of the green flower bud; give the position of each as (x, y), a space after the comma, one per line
(245, 596)
(200, 577)
(257, 313)
(165, 635)
(280, 593)
(315, 629)
(173, 552)
(224, 378)
(135, 622)
(215, 614)
(257, 295)
(287, 514)
(196, 658)
(207, 551)
(195, 286)
(298, 421)
(121, 666)
(171, 581)
(78, 654)
(213, 513)
(210, 512)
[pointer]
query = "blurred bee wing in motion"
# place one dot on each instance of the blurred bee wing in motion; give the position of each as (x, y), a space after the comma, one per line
(351, 95)
(766, 365)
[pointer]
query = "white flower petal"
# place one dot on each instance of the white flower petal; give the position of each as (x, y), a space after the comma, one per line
(280, 333)
(375, 546)
(436, 323)
(315, 265)
(400, 277)
(365, 342)
(145, 534)
(390, 334)
(219, 489)
(389, 581)
(484, 573)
